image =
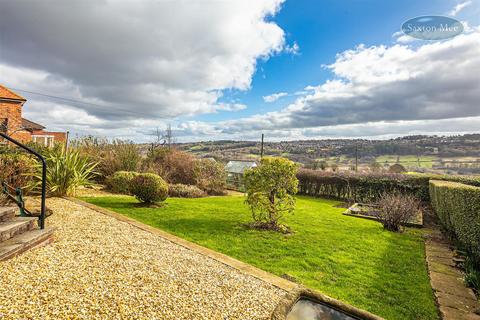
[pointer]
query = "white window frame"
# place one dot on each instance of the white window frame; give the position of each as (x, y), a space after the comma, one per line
(46, 138)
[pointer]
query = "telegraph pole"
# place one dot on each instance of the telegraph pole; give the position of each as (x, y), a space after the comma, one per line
(261, 148)
(356, 157)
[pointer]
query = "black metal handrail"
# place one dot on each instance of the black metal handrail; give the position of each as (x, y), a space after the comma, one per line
(41, 218)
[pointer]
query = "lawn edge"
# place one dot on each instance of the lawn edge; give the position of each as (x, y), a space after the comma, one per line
(265, 276)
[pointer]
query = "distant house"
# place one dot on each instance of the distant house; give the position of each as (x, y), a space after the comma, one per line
(19, 128)
(235, 170)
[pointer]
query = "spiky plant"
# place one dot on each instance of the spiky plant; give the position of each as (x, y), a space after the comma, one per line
(67, 170)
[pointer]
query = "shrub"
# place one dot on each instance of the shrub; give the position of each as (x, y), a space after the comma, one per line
(66, 171)
(17, 169)
(458, 208)
(185, 191)
(173, 165)
(270, 191)
(149, 188)
(396, 210)
(121, 181)
(111, 157)
(397, 168)
(211, 176)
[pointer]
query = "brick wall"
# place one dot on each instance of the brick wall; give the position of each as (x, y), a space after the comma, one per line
(12, 111)
(58, 136)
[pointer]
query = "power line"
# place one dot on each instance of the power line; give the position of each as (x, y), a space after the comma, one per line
(57, 97)
(85, 103)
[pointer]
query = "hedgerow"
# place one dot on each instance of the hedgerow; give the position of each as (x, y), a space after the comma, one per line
(360, 187)
(368, 187)
(458, 208)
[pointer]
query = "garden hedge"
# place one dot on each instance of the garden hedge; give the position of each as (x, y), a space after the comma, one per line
(367, 187)
(458, 207)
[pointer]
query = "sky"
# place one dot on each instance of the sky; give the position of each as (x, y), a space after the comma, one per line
(234, 69)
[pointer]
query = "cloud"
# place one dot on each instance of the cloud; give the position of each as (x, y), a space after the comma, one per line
(274, 97)
(459, 7)
(380, 83)
(231, 106)
(293, 49)
(136, 60)
(197, 130)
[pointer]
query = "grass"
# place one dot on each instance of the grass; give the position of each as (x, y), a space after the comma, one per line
(347, 258)
(408, 160)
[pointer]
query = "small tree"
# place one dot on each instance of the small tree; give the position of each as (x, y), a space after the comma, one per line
(270, 191)
(375, 166)
(397, 168)
(396, 210)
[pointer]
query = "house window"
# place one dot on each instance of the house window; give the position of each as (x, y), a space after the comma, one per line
(47, 141)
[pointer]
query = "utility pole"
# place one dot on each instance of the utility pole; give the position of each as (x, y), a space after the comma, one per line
(356, 157)
(261, 148)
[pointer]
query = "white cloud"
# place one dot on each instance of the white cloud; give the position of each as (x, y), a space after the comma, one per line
(136, 59)
(274, 97)
(381, 86)
(231, 106)
(459, 7)
(293, 49)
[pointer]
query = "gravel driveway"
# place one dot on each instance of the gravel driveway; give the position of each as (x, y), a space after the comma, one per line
(101, 268)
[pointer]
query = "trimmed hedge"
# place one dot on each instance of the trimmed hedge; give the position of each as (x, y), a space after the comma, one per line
(367, 187)
(360, 187)
(458, 207)
(121, 181)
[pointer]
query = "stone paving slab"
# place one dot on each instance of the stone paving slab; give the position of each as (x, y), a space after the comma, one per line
(455, 300)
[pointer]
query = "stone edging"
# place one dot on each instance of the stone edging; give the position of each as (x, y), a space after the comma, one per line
(284, 307)
(455, 301)
(293, 290)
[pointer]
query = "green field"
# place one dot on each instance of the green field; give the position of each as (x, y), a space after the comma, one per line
(408, 161)
(347, 258)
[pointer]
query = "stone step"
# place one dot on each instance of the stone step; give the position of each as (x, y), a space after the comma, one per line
(7, 213)
(22, 242)
(17, 225)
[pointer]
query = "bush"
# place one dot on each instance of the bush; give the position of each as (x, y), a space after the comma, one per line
(111, 157)
(121, 181)
(270, 191)
(149, 188)
(397, 168)
(66, 171)
(173, 165)
(17, 170)
(396, 210)
(458, 208)
(185, 191)
(211, 177)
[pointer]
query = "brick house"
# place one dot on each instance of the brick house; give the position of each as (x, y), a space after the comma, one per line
(19, 128)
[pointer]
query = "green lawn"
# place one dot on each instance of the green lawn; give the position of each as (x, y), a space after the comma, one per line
(347, 258)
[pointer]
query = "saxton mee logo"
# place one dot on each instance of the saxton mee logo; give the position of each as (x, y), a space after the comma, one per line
(432, 27)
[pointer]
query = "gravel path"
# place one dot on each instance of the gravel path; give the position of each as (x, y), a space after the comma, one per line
(102, 268)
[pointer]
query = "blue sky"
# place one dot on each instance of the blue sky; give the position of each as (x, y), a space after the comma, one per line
(205, 67)
(322, 29)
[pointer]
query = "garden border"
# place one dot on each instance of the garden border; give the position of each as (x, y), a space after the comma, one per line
(293, 291)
